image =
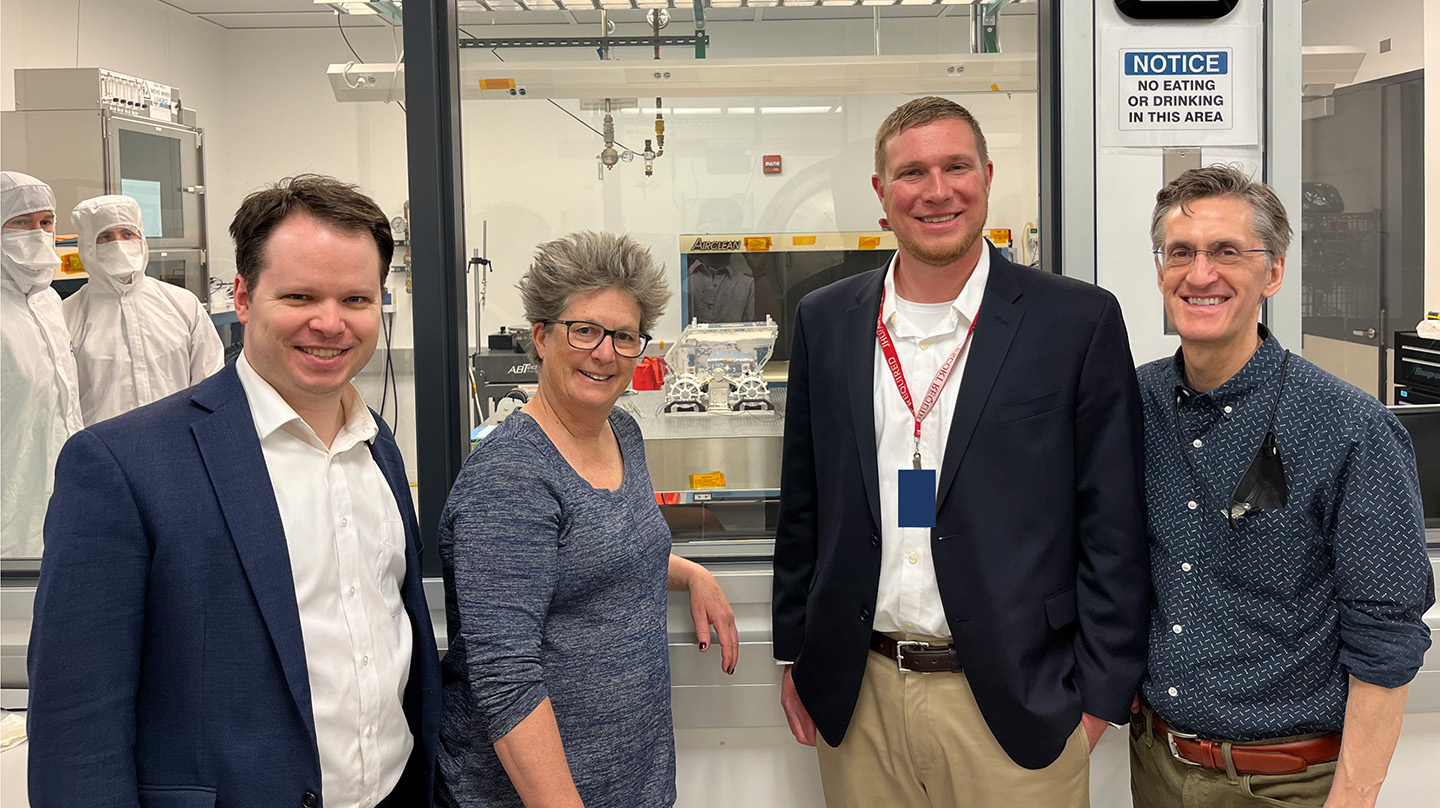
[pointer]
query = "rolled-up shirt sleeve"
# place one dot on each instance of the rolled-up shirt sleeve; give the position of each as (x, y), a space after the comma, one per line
(1382, 573)
(504, 522)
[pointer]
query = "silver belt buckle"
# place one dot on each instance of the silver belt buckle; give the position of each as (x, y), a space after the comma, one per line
(900, 646)
(1170, 736)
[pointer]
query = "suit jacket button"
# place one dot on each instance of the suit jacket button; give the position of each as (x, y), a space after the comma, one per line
(875, 540)
(309, 800)
(864, 615)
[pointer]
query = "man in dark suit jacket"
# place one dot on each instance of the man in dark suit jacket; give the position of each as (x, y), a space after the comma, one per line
(959, 638)
(230, 608)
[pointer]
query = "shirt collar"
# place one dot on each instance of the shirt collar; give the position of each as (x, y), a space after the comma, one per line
(271, 412)
(964, 308)
(1255, 375)
(726, 268)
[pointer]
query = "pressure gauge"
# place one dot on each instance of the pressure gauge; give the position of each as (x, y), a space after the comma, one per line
(1176, 9)
(397, 226)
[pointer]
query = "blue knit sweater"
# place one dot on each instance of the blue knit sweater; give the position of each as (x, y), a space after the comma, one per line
(555, 588)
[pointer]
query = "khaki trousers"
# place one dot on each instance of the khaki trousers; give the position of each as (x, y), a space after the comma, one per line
(917, 740)
(1159, 780)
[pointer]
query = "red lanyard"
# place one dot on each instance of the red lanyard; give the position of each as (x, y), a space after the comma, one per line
(887, 345)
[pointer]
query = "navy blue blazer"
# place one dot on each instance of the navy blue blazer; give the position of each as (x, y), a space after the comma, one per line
(167, 667)
(1039, 545)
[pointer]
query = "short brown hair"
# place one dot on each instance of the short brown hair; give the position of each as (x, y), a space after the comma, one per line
(919, 112)
(1267, 215)
(332, 202)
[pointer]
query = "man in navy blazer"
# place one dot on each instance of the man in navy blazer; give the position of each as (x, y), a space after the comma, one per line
(230, 609)
(964, 601)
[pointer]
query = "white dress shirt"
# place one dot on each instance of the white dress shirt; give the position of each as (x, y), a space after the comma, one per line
(924, 336)
(347, 555)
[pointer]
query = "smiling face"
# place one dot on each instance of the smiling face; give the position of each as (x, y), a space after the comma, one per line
(935, 192)
(313, 318)
(1209, 304)
(580, 381)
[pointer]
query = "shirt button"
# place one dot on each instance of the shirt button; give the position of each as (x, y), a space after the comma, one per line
(344, 522)
(369, 731)
(1229, 409)
(352, 592)
(1192, 504)
(1174, 691)
(365, 660)
(1197, 443)
(913, 558)
(924, 344)
(1185, 566)
(1177, 628)
(909, 624)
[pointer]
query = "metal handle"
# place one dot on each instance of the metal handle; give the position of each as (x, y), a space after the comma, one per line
(1368, 333)
(193, 189)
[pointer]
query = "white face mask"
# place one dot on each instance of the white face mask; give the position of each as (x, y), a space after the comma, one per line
(29, 258)
(120, 261)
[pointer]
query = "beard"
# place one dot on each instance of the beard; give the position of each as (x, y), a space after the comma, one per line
(941, 255)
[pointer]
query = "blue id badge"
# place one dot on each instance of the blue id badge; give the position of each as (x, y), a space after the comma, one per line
(917, 498)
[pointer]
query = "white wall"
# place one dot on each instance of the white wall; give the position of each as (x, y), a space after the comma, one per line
(1432, 156)
(1365, 25)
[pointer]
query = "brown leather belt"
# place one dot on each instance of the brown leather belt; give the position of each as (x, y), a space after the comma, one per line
(1288, 757)
(916, 657)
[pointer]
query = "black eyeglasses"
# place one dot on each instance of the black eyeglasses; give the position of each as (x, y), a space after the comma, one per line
(1177, 257)
(587, 336)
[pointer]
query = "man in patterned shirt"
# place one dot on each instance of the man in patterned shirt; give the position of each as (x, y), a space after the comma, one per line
(1286, 537)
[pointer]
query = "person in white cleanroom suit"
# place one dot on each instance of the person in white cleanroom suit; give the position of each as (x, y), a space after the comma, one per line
(39, 399)
(137, 339)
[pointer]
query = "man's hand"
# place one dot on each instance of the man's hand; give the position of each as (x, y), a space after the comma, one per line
(1094, 728)
(795, 713)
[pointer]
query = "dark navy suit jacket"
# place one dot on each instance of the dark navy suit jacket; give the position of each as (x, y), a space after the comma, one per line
(1039, 545)
(167, 667)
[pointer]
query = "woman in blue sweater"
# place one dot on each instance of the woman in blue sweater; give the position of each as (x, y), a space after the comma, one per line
(557, 561)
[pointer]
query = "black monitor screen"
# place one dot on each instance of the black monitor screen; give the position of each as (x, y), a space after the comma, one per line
(744, 278)
(1423, 424)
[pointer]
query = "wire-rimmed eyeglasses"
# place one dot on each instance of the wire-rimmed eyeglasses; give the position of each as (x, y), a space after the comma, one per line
(1177, 257)
(587, 336)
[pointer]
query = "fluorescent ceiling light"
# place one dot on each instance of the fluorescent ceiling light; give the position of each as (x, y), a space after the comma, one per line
(794, 110)
(877, 2)
(956, 2)
(653, 3)
(837, 2)
(763, 3)
(695, 111)
(613, 5)
(576, 5)
(724, 3)
(347, 8)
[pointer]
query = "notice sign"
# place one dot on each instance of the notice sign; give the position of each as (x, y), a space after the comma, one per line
(1158, 87)
(1177, 89)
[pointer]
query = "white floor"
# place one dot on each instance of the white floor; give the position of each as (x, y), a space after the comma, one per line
(765, 768)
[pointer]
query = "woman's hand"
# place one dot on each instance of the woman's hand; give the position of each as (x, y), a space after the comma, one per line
(708, 607)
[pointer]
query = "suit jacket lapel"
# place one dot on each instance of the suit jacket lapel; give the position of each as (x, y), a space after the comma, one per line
(998, 320)
(860, 328)
(230, 449)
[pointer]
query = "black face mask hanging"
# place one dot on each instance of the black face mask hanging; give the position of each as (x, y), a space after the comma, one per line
(1262, 486)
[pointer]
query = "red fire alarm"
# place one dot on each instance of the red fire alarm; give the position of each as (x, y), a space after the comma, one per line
(771, 163)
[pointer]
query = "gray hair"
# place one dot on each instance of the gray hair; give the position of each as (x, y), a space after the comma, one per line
(588, 262)
(1267, 215)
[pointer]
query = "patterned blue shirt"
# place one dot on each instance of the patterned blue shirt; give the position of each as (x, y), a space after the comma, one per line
(1254, 630)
